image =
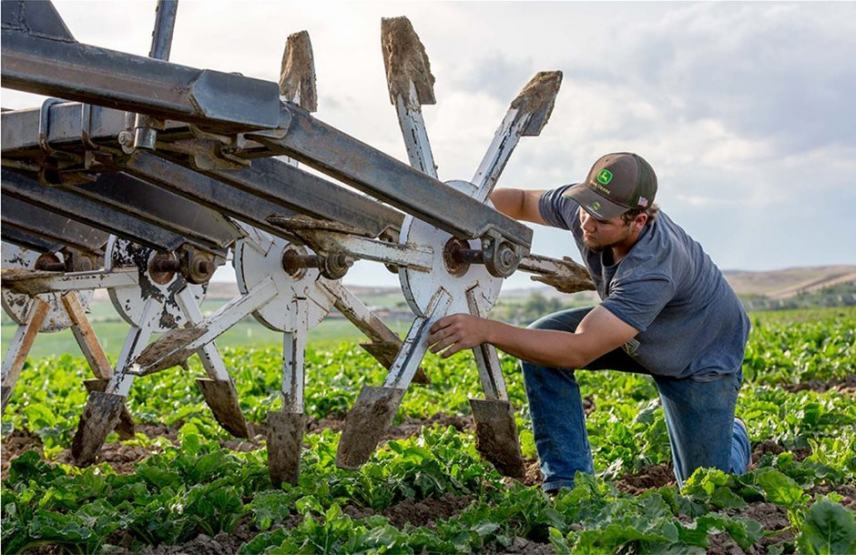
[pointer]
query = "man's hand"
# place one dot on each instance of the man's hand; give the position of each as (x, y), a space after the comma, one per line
(456, 332)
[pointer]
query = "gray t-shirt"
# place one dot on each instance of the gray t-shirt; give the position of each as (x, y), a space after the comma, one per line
(690, 321)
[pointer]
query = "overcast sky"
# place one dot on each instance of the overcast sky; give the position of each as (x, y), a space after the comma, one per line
(745, 111)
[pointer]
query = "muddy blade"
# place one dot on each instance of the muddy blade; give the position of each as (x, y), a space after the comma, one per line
(284, 443)
(496, 436)
(125, 426)
(98, 419)
(221, 396)
(366, 424)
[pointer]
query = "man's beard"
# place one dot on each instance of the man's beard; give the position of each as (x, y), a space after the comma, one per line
(597, 247)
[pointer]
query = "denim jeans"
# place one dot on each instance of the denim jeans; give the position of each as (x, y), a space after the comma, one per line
(699, 415)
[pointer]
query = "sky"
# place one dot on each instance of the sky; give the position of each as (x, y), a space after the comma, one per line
(745, 111)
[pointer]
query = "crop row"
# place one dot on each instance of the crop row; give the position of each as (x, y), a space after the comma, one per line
(799, 495)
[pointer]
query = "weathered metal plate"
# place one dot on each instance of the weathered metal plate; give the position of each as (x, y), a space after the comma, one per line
(496, 436)
(284, 444)
(420, 287)
(221, 396)
(366, 424)
(259, 256)
(17, 305)
(98, 419)
(129, 301)
(125, 425)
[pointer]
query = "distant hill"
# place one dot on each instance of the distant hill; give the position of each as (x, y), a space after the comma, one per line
(773, 284)
(783, 284)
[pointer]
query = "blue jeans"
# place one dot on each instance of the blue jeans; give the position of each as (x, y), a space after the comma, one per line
(699, 415)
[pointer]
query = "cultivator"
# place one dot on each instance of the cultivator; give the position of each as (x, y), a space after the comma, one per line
(148, 175)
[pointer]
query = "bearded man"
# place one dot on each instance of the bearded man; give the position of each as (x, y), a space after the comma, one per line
(665, 311)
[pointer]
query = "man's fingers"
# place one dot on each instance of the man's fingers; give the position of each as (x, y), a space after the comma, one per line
(454, 348)
(443, 322)
(443, 343)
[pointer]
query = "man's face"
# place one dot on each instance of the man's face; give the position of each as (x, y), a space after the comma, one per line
(601, 234)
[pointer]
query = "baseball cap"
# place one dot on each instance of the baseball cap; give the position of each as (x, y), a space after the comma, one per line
(616, 183)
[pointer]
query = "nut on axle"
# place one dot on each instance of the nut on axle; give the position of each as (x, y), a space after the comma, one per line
(194, 266)
(332, 266)
(501, 261)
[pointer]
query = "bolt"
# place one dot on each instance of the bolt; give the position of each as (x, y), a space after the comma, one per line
(204, 267)
(164, 263)
(126, 141)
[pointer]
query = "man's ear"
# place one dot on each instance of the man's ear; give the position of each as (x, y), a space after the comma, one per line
(639, 221)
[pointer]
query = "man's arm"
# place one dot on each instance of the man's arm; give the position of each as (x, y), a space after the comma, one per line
(598, 333)
(520, 204)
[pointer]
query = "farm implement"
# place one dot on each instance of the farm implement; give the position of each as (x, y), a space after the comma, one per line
(142, 177)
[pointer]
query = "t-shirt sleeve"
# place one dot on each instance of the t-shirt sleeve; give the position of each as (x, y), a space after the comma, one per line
(638, 301)
(557, 209)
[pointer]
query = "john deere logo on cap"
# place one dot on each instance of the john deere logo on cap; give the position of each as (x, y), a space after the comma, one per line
(604, 177)
(595, 206)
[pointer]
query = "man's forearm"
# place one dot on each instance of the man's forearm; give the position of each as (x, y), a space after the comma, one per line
(566, 349)
(508, 201)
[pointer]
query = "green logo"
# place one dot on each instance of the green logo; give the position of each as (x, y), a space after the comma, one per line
(595, 206)
(604, 177)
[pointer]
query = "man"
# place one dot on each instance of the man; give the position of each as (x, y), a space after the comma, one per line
(666, 311)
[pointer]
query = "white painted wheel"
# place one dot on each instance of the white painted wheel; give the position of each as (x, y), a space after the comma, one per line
(17, 305)
(419, 287)
(129, 301)
(258, 256)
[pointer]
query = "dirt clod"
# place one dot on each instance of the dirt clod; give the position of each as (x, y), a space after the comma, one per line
(654, 476)
(405, 61)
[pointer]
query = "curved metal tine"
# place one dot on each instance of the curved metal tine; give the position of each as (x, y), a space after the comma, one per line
(411, 84)
(526, 116)
(375, 408)
(297, 84)
(496, 430)
(286, 427)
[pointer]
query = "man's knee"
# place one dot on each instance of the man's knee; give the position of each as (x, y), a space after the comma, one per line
(565, 320)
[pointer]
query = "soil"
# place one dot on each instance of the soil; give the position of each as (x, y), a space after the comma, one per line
(123, 458)
(409, 426)
(774, 448)
(588, 405)
(847, 491)
(17, 442)
(170, 349)
(654, 476)
(844, 385)
(405, 61)
(773, 519)
(297, 73)
(533, 474)
(539, 93)
(416, 513)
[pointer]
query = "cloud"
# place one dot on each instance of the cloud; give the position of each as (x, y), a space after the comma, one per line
(744, 110)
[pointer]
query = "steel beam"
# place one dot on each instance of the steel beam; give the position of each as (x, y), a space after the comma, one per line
(270, 179)
(49, 227)
(205, 190)
(345, 158)
(227, 103)
(91, 213)
(75, 71)
(313, 196)
(24, 238)
(162, 208)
